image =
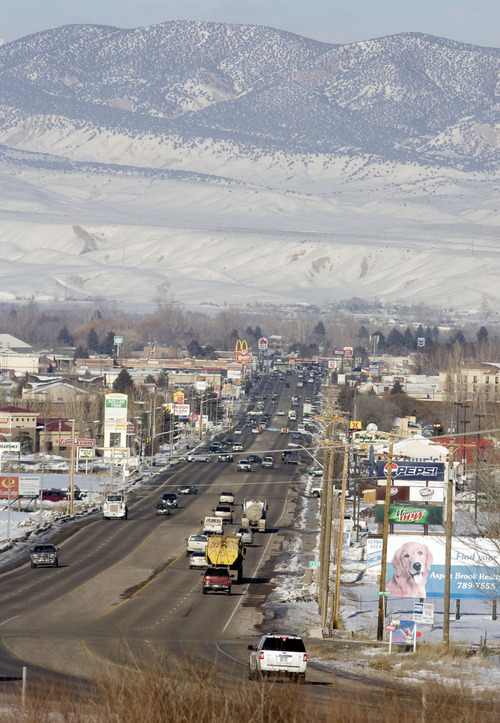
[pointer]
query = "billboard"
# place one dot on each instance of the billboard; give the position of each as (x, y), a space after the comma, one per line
(182, 410)
(412, 470)
(410, 493)
(416, 567)
(411, 514)
(9, 483)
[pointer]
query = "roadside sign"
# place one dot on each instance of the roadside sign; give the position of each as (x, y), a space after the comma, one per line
(314, 563)
(117, 340)
(384, 592)
(29, 486)
(65, 442)
(10, 446)
(390, 627)
(423, 613)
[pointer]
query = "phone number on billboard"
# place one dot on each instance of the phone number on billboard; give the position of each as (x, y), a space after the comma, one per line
(476, 586)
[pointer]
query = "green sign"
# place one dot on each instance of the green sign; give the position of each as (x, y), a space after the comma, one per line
(118, 340)
(314, 563)
(114, 403)
(411, 514)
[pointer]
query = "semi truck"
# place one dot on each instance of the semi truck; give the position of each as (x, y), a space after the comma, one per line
(254, 514)
(226, 551)
(114, 507)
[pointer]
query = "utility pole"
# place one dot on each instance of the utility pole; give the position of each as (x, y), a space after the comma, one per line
(338, 561)
(385, 534)
(447, 564)
(327, 538)
(72, 469)
(479, 417)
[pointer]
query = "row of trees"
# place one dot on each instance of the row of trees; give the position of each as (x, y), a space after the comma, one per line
(306, 331)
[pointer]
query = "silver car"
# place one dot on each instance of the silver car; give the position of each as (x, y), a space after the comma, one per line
(246, 535)
(197, 560)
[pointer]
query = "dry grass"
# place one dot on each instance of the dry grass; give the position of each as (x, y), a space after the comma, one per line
(197, 694)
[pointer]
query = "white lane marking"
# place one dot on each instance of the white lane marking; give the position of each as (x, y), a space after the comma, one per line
(257, 568)
(9, 619)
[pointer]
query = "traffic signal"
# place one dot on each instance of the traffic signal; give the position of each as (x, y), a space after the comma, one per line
(438, 428)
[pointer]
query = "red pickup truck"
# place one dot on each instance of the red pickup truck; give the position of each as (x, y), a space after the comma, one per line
(217, 579)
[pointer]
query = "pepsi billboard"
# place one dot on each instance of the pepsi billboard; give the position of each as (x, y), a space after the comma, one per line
(412, 470)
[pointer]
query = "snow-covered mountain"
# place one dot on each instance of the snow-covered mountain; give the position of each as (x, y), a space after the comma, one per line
(220, 164)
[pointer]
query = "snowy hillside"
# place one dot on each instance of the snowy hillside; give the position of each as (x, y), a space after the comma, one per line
(225, 164)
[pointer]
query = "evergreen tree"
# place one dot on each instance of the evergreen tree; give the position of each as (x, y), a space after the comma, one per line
(123, 383)
(395, 340)
(93, 341)
(108, 343)
(80, 353)
(195, 349)
(64, 338)
(409, 339)
(319, 329)
(482, 335)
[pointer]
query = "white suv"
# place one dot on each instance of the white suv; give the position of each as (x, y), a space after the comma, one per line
(279, 655)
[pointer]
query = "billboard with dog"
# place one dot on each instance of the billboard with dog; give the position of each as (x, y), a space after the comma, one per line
(416, 567)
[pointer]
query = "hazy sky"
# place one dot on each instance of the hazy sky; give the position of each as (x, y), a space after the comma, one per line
(471, 21)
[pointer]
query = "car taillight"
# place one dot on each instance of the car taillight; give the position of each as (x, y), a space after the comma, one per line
(261, 656)
(305, 658)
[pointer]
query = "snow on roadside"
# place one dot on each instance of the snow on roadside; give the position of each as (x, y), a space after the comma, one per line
(292, 607)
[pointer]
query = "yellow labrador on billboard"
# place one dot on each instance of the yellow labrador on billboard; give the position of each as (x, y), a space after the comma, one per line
(412, 562)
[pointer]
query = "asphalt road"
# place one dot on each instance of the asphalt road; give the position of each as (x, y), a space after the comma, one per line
(123, 594)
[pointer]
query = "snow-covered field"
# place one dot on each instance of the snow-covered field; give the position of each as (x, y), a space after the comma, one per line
(219, 228)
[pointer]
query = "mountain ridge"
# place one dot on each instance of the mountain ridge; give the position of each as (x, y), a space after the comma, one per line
(183, 136)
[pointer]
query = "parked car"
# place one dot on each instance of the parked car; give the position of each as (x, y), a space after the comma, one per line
(244, 466)
(197, 559)
(54, 495)
(187, 490)
(246, 535)
(226, 498)
(171, 499)
(44, 555)
(217, 579)
(280, 413)
(224, 512)
(225, 457)
(278, 655)
(316, 472)
(237, 447)
(196, 543)
(162, 508)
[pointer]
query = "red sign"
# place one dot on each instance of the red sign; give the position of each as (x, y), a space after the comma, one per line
(4, 488)
(243, 357)
(390, 627)
(397, 493)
